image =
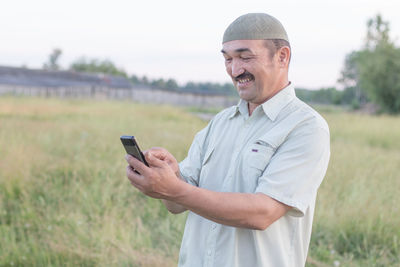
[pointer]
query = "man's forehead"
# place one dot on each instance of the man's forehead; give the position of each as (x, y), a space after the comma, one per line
(241, 46)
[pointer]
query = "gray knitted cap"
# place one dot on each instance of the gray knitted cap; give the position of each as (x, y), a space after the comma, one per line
(255, 26)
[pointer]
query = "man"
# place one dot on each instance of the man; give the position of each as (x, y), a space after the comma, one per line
(251, 176)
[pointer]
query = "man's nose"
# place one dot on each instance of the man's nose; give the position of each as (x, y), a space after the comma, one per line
(237, 68)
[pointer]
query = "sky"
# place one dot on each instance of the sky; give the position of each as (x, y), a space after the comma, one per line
(182, 39)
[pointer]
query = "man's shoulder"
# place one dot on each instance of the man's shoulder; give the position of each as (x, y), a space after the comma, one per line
(306, 116)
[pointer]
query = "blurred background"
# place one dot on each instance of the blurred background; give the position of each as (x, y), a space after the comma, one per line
(182, 39)
(64, 198)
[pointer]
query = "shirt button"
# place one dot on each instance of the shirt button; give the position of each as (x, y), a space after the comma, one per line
(209, 252)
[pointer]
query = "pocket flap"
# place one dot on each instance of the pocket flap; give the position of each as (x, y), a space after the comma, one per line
(208, 154)
(272, 138)
(260, 154)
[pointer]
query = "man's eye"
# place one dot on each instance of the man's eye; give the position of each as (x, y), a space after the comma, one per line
(228, 59)
(245, 58)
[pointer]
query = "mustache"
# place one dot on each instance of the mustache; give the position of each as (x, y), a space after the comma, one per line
(244, 75)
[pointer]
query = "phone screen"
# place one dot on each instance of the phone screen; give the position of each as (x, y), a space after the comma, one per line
(132, 148)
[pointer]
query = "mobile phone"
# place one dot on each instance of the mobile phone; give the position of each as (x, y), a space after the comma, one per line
(132, 148)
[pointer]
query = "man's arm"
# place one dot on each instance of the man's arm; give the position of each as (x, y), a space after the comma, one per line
(254, 211)
(173, 207)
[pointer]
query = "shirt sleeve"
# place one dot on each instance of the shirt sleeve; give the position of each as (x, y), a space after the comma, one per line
(297, 169)
(190, 167)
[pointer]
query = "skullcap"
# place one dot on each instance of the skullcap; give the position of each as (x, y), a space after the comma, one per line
(255, 26)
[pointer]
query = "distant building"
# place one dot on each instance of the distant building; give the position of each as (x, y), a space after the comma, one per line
(71, 84)
(54, 79)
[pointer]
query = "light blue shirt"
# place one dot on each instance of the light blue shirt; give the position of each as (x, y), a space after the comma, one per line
(281, 150)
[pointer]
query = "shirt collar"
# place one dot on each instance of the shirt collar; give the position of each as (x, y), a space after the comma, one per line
(241, 108)
(272, 106)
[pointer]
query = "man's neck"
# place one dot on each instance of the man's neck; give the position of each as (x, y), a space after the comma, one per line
(252, 106)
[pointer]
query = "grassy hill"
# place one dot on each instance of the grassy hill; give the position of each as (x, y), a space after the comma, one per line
(65, 200)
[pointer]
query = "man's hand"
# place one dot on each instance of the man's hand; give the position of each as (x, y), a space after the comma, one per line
(164, 155)
(159, 180)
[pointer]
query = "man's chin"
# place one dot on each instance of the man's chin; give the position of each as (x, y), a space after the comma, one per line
(245, 96)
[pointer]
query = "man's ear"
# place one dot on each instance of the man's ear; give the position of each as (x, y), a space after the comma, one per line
(284, 56)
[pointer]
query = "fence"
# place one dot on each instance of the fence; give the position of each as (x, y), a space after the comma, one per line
(142, 95)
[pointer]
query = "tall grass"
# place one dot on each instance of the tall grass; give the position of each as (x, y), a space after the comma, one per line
(65, 200)
(357, 218)
(64, 197)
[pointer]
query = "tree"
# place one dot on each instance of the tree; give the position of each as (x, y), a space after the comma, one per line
(134, 79)
(144, 80)
(377, 32)
(97, 66)
(380, 67)
(52, 63)
(374, 70)
(159, 83)
(322, 96)
(350, 78)
(380, 77)
(171, 85)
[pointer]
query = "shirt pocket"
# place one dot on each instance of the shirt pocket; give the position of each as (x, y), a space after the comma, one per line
(256, 159)
(259, 154)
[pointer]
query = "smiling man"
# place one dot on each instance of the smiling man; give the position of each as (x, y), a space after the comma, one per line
(255, 72)
(251, 177)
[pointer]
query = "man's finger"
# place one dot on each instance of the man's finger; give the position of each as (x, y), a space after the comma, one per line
(155, 161)
(136, 179)
(137, 164)
(157, 152)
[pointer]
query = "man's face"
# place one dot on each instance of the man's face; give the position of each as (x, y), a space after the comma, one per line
(255, 73)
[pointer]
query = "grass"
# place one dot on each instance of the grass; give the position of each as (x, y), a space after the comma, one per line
(357, 217)
(65, 200)
(64, 197)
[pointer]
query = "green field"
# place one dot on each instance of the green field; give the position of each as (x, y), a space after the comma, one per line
(65, 200)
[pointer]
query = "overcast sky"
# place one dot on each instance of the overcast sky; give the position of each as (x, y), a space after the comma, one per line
(182, 39)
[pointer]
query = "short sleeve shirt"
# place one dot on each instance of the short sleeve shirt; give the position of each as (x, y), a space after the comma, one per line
(281, 150)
